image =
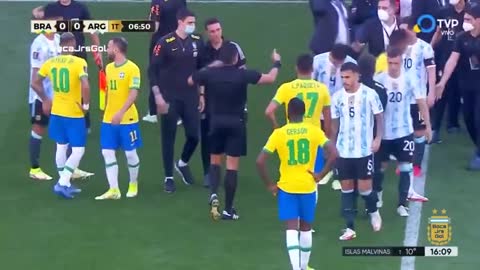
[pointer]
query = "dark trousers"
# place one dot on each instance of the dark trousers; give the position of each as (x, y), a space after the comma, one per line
(451, 99)
(204, 130)
(188, 112)
(471, 114)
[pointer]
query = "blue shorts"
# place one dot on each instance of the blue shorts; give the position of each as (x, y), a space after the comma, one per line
(296, 206)
(68, 130)
(126, 137)
(319, 161)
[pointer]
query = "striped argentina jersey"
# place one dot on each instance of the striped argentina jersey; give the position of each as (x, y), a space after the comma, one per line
(416, 59)
(400, 93)
(355, 113)
(325, 72)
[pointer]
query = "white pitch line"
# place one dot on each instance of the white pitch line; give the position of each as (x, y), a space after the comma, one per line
(414, 219)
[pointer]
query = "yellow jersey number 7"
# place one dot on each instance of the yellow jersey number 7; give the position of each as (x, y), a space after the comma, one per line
(311, 101)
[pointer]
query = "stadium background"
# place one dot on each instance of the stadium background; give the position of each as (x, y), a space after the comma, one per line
(156, 230)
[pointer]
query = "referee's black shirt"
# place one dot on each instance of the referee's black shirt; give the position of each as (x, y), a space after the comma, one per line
(227, 89)
(446, 42)
(165, 13)
(212, 54)
(173, 60)
(468, 66)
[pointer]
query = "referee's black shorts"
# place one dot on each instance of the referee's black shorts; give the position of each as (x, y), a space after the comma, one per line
(228, 135)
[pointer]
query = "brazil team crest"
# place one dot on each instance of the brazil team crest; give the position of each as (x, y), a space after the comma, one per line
(439, 228)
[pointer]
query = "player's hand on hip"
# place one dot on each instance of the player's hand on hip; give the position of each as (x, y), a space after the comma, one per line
(376, 145)
(273, 188)
(46, 106)
(275, 56)
(201, 104)
(117, 118)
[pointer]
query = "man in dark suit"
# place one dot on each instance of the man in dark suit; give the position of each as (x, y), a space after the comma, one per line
(420, 7)
(331, 25)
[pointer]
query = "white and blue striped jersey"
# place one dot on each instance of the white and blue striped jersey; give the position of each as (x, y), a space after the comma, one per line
(41, 50)
(325, 72)
(416, 59)
(401, 92)
(356, 115)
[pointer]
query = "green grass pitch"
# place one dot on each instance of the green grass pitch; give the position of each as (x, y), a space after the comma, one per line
(160, 231)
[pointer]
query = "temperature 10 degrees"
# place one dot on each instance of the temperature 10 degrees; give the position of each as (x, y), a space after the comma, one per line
(138, 26)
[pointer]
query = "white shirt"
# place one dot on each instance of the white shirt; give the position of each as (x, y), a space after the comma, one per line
(342, 35)
(400, 93)
(405, 8)
(325, 72)
(387, 32)
(41, 50)
(414, 60)
(355, 112)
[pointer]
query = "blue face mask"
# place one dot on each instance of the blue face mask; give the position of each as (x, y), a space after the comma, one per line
(189, 29)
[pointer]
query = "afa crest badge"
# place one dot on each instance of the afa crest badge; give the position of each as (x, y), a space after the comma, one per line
(439, 228)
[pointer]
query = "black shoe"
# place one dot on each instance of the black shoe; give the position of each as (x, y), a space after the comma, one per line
(185, 173)
(169, 185)
(230, 215)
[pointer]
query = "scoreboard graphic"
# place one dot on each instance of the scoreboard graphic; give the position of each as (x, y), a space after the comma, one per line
(91, 26)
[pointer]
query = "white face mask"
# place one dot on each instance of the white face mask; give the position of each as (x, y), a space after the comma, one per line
(189, 29)
(453, 2)
(382, 15)
(467, 26)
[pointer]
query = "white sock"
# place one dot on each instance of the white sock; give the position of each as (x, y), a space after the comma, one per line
(181, 163)
(61, 157)
(133, 165)
(305, 248)
(411, 190)
(111, 167)
(293, 247)
(71, 164)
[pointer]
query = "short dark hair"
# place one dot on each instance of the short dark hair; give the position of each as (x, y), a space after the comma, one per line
(182, 14)
(339, 51)
(393, 52)
(366, 65)
(296, 107)
(397, 37)
(392, 3)
(349, 66)
(211, 21)
(228, 53)
(66, 38)
(121, 43)
(305, 63)
(473, 10)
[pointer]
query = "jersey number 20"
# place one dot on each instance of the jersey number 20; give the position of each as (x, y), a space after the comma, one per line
(298, 151)
(313, 97)
(60, 80)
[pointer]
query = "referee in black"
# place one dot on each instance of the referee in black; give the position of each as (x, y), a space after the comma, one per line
(164, 14)
(226, 98)
(213, 45)
(466, 58)
(175, 57)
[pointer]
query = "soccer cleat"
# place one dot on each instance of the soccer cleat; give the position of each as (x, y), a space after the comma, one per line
(185, 173)
(310, 268)
(63, 191)
(230, 215)
(402, 211)
(415, 197)
(179, 122)
(79, 174)
(380, 199)
(38, 174)
(326, 179)
(150, 118)
(206, 181)
(376, 221)
(132, 190)
(348, 234)
(74, 189)
(169, 185)
(214, 204)
(417, 171)
(111, 194)
(336, 185)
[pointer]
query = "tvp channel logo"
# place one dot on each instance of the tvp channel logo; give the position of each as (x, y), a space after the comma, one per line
(426, 23)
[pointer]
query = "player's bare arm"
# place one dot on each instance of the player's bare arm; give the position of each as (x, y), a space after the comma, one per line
(37, 86)
(327, 120)
(270, 113)
(379, 133)
(271, 76)
(425, 112)
(201, 101)
(447, 72)
(132, 96)
(85, 93)
(334, 131)
(262, 170)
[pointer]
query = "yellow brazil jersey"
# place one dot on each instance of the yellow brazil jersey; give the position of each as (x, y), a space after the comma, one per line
(382, 63)
(296, 145)
(121, 80)
(313, 93)
(65, 72)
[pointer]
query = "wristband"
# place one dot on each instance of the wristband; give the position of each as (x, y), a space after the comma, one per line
(277, 64)
(86, 107)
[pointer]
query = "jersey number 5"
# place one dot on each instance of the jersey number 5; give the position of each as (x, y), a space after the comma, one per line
(298, 151)
(60, 80)
(313, 98)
